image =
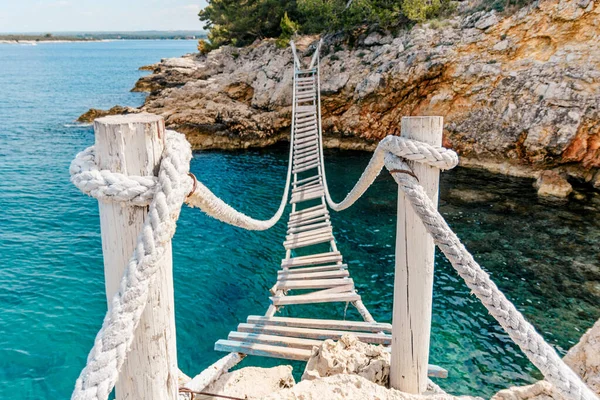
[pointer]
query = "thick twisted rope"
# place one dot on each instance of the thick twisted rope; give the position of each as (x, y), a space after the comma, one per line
(540, 353)
(139, 191)
(114, 339)
(165, 195)
(405, 148)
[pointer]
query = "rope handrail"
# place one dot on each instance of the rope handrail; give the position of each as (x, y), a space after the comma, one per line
(166, 194)
(405, 148)
(537, 350)
(139, 190)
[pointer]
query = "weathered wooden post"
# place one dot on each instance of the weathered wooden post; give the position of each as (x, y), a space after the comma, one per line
(132, 145)
(413, 282)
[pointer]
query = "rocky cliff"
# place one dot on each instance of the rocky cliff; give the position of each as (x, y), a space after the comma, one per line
(519, 94)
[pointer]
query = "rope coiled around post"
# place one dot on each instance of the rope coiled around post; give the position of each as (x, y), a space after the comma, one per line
(169, 190)
(165, 196)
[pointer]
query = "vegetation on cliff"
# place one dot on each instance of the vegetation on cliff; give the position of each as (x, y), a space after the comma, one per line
(241, 23)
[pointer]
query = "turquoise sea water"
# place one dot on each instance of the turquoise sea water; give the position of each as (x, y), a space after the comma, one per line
(543, 256)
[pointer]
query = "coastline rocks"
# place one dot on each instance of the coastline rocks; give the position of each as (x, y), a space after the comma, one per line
(253, 382)
(551, 184)
(521, 90)
(349, 356)
(94, 113)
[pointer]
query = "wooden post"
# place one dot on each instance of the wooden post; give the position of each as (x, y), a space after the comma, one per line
(132, 145)
(413, 282)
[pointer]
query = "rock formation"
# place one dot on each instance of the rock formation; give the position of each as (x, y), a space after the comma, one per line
(252, 382)
(350, 387)
(349, 356)
(552, 185)
(520, 94)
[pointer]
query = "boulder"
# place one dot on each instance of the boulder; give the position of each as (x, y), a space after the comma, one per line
(252, 382)
(94, 113)
(518, 89)
(551, 184)
(349, 356)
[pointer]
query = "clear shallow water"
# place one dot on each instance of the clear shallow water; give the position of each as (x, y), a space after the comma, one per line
(543, 256)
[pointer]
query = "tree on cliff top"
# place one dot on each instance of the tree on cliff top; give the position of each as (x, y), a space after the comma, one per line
(240, 23)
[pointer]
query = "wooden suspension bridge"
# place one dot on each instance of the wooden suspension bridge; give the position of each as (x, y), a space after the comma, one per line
(313, 270)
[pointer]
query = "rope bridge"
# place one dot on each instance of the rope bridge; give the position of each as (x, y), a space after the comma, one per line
(318, 275)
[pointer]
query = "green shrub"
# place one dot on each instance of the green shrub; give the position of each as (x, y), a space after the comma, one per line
(240, 23)
(204, 47)
(288, 29)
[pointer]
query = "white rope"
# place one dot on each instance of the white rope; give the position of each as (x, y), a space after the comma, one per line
(540, 353)
(114, 339)
(139, 191)
(165, 195)
(406, 148)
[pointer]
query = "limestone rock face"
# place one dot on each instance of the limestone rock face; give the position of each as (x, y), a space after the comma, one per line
(94, 113)
(522, 90)
(253, 382)
(552, 184)
(349, 356)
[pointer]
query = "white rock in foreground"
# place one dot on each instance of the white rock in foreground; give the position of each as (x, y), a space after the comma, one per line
(349, 387)
(252, 382)
(349, 356)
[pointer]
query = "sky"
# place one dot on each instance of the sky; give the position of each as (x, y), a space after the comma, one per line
(99, 15)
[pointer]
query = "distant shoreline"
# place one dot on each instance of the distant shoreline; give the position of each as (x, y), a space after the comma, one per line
(36, 42)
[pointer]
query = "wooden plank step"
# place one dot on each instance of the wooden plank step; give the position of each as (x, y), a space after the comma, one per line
(309, 333)
(302, 196)
(313, 283)
(305, 211)
(310, 185)
(303, 152)
(308, 227)
(313, 220)
(284, 341)
(291, 273)
(313, 259)
(284, 345)
(311, 131)
(307, 191)
(306, 139)
(307, 79)
(309, 233)
(292, 244)
(309, 93)
(313, 145)
(306, 167)
(306, 71)
(321, 323)
(304, 129)
(256, 349)
(301, 274)
(305, 116)
(304, 124)
(305, 180)
(301, 109)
